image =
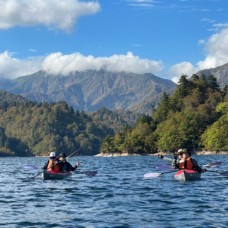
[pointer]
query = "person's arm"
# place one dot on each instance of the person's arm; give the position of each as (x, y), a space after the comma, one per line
(72, 168)
(197, 167)
(76, 165)
(175, 164)
(168, 159)
(46, 165)
(165, 158)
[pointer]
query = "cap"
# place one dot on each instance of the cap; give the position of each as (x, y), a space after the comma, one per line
(180, 151)
(52, 155)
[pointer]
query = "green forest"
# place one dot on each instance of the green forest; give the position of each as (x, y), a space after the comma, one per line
(195, 117)
(28, 128)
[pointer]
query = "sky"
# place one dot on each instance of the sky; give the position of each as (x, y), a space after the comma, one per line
(168, 38)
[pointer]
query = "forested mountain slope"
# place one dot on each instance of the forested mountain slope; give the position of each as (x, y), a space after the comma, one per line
(195, 117)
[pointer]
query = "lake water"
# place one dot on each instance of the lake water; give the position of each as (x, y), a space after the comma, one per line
(118, 196)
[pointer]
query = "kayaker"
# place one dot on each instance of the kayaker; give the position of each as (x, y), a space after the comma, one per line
(52, 163)
(65, 166)
(175, 160)
(186, 162)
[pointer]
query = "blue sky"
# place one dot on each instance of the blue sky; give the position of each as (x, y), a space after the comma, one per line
(164, 37)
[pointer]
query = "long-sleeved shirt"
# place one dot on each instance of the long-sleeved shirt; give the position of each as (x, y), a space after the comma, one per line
(66, 166)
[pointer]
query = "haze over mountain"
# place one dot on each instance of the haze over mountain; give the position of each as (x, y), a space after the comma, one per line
(92, 90)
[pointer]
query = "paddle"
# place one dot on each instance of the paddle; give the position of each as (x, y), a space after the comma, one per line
(88, 173)
(224, 173)
(30, 167)
(34, 176)
(75, 153)
(214, 164)
(154, 175)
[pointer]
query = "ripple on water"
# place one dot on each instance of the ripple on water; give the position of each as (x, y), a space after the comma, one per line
(118, 196)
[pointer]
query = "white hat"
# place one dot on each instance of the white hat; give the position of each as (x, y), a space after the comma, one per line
(182, 151)
(52, 155)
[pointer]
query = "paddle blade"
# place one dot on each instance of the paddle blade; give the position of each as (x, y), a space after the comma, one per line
(151, 175)
(225, 173)
(87, 173)
(214, 164)
(30, 167)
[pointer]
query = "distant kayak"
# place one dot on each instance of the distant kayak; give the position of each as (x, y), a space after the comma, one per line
(187, 175)
(53, 175)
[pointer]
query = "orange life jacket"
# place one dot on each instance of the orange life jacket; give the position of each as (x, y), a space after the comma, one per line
(186, 164)
(53, 165)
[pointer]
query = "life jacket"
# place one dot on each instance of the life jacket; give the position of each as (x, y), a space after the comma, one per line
(186, 164)
(53, 165)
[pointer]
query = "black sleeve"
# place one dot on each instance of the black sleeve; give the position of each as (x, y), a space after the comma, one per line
(70, 167)
(196, 166)
(46, 165)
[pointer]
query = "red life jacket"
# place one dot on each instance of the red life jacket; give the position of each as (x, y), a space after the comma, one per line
(186, 164)
(53, 165)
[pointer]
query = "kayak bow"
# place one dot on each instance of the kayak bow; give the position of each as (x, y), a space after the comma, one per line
(53, 175)
(187, 175)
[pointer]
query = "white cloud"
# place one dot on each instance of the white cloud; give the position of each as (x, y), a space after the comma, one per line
(61, 14)
(11, 67)
(183, 68)
(217, 51)
(216, 48)
(59, 64)
(142, 3)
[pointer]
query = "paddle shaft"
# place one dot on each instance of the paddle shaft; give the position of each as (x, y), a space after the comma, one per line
(224, 173)
(36, 175)
(74, 153)
(169, 172)
(88, 173)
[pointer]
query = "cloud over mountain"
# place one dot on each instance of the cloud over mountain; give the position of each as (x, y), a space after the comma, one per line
(58, 63)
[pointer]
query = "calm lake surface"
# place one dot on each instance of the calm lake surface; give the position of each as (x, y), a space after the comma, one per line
(118, 196)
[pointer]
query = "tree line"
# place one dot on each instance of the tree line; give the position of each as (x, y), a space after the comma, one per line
(195, 117)
(30, 128)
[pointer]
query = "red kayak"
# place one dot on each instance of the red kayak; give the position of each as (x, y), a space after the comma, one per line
(53, 175)
(187, 175)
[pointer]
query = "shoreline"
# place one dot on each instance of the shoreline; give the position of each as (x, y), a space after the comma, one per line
(156, 154)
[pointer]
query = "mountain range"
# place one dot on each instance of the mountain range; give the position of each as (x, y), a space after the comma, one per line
(92, 90)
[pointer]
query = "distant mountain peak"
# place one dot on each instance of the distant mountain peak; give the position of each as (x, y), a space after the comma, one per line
(220, 73)
(91, 90)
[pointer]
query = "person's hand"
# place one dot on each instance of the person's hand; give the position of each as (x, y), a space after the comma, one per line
(77, 164)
